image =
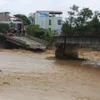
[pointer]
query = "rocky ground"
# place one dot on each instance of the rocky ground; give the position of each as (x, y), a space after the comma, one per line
(25, 75)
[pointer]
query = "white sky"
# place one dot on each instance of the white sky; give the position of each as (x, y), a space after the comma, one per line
(28, 6)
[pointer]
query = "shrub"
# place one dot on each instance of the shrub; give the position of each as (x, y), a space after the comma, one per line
(4, 27)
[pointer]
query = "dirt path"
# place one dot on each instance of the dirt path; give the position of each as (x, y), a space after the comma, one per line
(31, 76)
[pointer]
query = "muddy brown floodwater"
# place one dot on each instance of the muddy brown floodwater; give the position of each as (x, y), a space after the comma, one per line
(39, 76)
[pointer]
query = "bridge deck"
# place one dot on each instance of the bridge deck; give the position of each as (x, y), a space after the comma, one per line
(24, 42)
(82, 40)
(31, 44)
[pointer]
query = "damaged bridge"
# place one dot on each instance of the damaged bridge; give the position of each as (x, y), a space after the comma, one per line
(67, 46)
(27, 42)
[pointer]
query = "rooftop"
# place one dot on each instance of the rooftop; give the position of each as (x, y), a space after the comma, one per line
(4, 12)
(52, 12)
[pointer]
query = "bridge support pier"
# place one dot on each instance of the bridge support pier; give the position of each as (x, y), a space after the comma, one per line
(2, 42)
(69, 51)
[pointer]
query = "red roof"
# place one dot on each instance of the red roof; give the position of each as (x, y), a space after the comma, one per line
(52, 12)
(16, 18)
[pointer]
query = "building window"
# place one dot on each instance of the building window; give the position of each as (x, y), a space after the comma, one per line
(59, 22)
(49, 22)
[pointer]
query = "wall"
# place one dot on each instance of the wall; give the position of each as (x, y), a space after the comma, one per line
(4, 16)
(40, 20)
(44, 22)
(54, 23)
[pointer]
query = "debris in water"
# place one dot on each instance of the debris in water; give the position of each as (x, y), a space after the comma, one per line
(6, 83)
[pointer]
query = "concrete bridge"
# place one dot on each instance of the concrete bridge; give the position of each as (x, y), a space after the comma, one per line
(27, 42)
(67, 46)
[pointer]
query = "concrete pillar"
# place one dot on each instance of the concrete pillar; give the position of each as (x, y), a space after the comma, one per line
(71, 51)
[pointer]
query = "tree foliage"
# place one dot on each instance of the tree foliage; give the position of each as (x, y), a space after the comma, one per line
(24, 18)
(37, 31)
(81, 20)
(4, 28)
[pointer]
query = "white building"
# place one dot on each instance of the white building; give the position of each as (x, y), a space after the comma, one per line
(48, 19)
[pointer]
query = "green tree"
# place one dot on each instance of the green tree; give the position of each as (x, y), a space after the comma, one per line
(84, 15)
(4, 28)
(96, 14)
(94, 24)
(24, 18)
(77, 20)
(36, 31)
(48, 35)
(66, 28)
(32, 29)
(79, 17)
(71, 20)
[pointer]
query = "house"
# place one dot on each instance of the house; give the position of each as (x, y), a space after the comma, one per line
(48, 19)
(4, 16)
(14, 23)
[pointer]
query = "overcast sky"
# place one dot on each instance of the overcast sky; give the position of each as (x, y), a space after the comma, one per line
(28, 6)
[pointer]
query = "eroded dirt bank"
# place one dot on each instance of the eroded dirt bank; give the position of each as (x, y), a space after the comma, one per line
(39, 76)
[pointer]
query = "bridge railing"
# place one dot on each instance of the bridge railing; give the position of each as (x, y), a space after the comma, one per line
(89, 39)
(38, 40)
(82, 34)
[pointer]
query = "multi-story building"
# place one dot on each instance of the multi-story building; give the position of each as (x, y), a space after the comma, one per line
(48, 19)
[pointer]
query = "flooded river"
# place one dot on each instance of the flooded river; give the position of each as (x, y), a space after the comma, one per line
(39, 76)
